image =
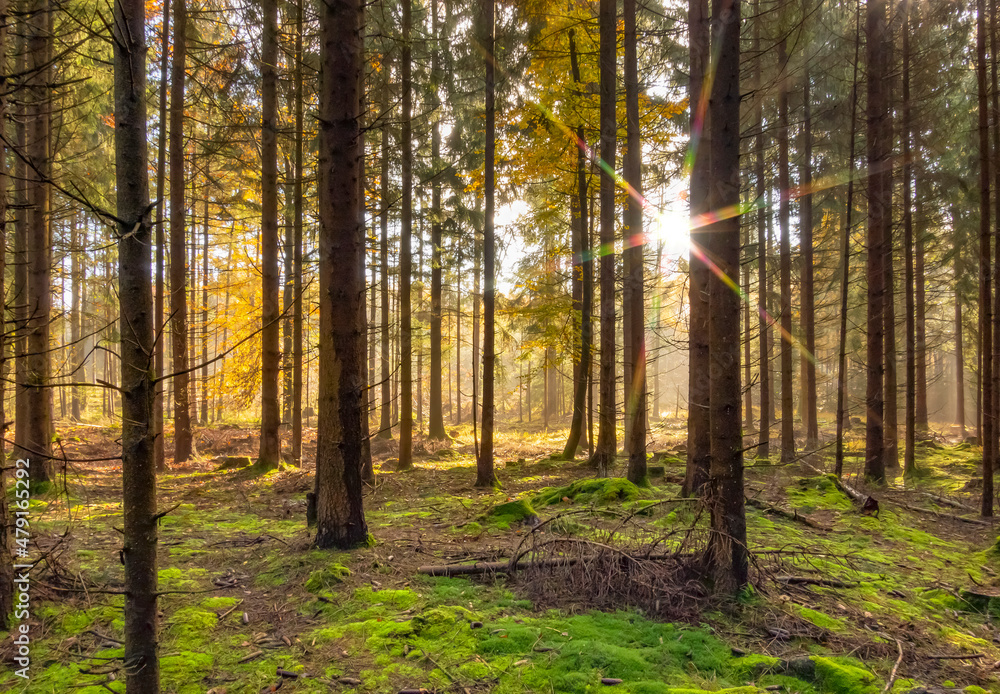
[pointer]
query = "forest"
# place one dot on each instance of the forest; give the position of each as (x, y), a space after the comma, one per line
(410, 346)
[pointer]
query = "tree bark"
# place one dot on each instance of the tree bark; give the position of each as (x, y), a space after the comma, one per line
(38, 427)
(178, 272)
(959, 243)
(879, 217)
(405, 257)
(435, 428)
(785, 253)
(635, 409)
(807, 301)
(727, 543)
(986, 433)
(6, 521)
(485, 474)
(135, 293)
(297, 240)
(339, 513)
(698, 433)
(910, 423)
(270, 354)
(385, 419)
(161, 174)
(764, 320)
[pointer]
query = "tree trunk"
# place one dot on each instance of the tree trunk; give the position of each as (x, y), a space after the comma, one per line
(385, 420)
(38, 430)
(698, 433)
(178, 272)
(910, 424)
(785, 253)
(405, 258)
(20, 286)
(727, 543)
(764, 320)
(485, 474)
(297, 259)
(635, 408)
(986, 434)
(135, 293)
(75, 308)
(879, 148)
(959, 243)
(339, 513)
(7, 526)
(807, 298)
(204, 310)
(161, 174)
(842, 380)
(435, 428)
(604, 455)
(270, 354)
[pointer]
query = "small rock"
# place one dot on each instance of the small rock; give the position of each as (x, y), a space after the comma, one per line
(476, 625)
(349, 681)
(246, 618)
(738, 652)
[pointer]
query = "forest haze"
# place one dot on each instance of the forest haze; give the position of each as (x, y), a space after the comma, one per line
(507, 346)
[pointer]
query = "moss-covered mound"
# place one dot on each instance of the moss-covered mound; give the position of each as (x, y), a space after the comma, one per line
(599, 491)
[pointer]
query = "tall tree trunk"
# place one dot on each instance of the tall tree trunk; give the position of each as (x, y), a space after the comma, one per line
(135, 291)
(635, 408)
(879, 146)
(270, 354)
(405, 257)
(842, 379)
(339, 512)
(204, 311)
(986, 433)
(288, 253)
(178, 273)
(485, 474)
(807, 301)
(604, 456)
(20, 286)
(583, 272)
(38, 431)
(436, 424)
(959, 243)
(7, 526)
(385, 388)
(75, 307)
(458, 336)
(161, 174)
(297, 259)
(764, 319)
(727, 543)
(910, 425)
(698, 431)
(784, 250)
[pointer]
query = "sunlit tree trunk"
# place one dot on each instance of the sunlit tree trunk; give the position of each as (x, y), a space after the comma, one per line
(485, 474)
(910, 424)
(763, 321)
(959, 243)
(339, 511)
(270, 356)
(405, 257)
(807, 317)
(385, 387)
(6, 521)
(435, 428)
(135, 293)
(698, 433)
(178, 273)
(879, 148)
(297, 240)
(727, 543)
(635, 408)
(161, 175)
(986, 433)
(785, 253)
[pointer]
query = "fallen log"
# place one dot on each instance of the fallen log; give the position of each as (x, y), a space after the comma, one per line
(950, 502)
(938, 514)
(789, 515)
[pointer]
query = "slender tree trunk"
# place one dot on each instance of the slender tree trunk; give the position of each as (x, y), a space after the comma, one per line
(161, 174)
(879, 148)
(38, 432)
(204, 313)
(727, 544)
(297, 259)
(436, 424)
(842, 378)
(458, 337)
(7, 527)
(784, 209)
(270, 357)
(385, 422)
(288, 253)
(74, 311)
(485, 474)
(339, 512)
(604, 455)
(178, 272)
(20, 286)
(635, 409)
(986, 434)
(807, 318)
(764, 320)
(910, 425)
(698, 433)
(583, 274)
(136, 306)
(405, 258)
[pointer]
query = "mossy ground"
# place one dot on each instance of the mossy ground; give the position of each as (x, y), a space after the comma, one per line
(237, 545)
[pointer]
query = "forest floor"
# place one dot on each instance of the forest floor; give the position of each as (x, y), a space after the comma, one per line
(842, 601)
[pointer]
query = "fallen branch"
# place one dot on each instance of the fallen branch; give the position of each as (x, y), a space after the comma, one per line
(939, 514)
(950, 502)
(502, 567)
(975, 656)
(825, 582)
(895, 668)
(789, 515)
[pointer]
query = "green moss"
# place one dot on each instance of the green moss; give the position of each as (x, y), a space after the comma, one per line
(184, 672)
(176, 578)
(842, 676)
(823, 621)
(598, 491)
(504, 515)
(191, 626)
(327, 578)
(973, 689)
(399, 599)
(755, 665)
